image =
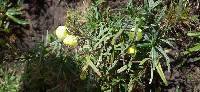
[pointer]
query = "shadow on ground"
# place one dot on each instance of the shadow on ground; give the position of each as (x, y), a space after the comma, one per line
(49, 72)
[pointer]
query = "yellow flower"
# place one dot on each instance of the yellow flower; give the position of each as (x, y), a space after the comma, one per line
(132, 50)
(139, 34)
(71, 40)
(61, 32)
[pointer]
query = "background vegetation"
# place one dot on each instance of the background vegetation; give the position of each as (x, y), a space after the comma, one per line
(132, 47)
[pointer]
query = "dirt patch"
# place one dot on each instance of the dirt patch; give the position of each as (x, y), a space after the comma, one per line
(45, 15)
(186, 79)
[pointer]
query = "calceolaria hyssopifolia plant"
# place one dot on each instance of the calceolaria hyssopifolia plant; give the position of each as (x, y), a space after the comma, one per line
(120, 47)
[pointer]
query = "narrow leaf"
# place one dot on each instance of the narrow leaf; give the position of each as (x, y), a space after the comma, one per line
(113, 65)
(196, 59)
(104, 38)
(162, 13)
(160, 72)
(122, 69)
(143, 61)
(195, 34)
(153, 57)
(19, 21)
(168, 42)
(14, 11)
(153, 4)
(116, 36)
(195, 48)
(160, 49)
(90, 63)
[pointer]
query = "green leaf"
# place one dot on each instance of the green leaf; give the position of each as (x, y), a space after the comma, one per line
(154, 57)
(160, 72)
(130, 85)
(83, 75)
(14, 11)
(153, 4)
(102, 31)
(185, 52)
(116, 36)
(144, 45)
(85, 67)
(90, 63)
(168, 42)
(104, 38)
(114, 64)
(194, 18)
(196, 59)
(123, 68)
(160, 49)
(19, 21)
(195, 34)
(162, 13)
(195, 48)
(143, 61)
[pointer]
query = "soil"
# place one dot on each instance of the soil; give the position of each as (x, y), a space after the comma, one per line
(186, 79)
(45, 16)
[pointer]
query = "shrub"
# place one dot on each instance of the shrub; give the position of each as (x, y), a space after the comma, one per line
(107, 39)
